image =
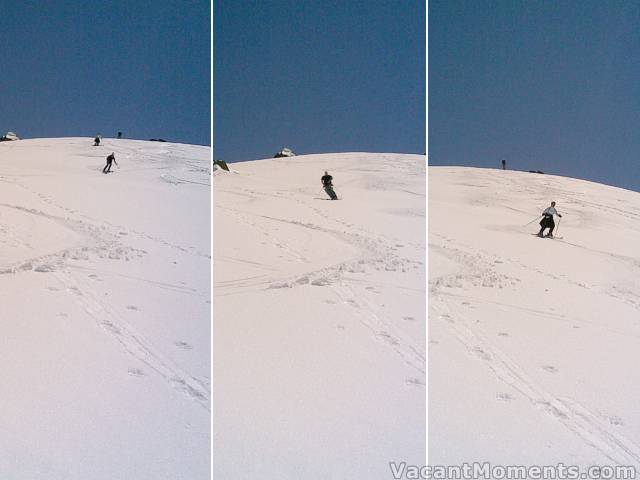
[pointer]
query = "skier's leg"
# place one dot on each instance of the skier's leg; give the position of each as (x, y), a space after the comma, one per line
(551, 224)
(543, 225)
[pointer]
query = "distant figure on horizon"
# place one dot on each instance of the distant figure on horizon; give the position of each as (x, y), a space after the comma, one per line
(547, 220)
(96, 141)
(328, 185)
(107, 167)
(504, 164)
(119, 134)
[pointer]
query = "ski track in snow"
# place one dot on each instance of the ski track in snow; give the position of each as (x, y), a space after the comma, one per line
(375, 252)
(592, 428)
(91, 240)
(122, 230)
(445, 306)
(459, 307)
(330, 297)
(121, 284)
(100, 242)
(107, 318)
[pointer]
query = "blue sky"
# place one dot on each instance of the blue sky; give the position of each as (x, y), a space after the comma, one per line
(318, 76)
(76, 68)
(552, 86)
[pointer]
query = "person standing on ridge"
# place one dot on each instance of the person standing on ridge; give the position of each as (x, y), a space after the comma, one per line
(328, 185)
(107, 167)
(504, 164)
(547, 220)
(96, 141)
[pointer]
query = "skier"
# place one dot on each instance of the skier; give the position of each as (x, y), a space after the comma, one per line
(547, 220)
(328, 186)
(504, 164)
(119, 134)
(96, 141)
(107, 167)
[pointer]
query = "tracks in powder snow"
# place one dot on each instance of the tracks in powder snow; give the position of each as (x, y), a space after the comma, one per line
(87, 221)
(372, 252)
(592, 428)
(107, 241)
(134, 343)
(384, 330)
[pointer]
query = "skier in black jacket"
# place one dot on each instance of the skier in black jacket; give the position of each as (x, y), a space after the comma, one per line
(328, 186)
(547, 220)
(107, 167)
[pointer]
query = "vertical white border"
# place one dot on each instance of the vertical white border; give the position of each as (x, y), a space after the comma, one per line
(426, 253)
(211, 242)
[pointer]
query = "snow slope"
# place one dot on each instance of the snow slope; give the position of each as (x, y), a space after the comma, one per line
(533, 343)
(319, 308)
(104, 310)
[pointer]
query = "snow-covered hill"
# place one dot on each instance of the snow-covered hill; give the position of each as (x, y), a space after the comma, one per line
(104, 310)
(533, 343)
(319, 308)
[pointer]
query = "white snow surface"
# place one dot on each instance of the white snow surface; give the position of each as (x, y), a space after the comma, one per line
(104, 310)
(533, 343)
(319, 317)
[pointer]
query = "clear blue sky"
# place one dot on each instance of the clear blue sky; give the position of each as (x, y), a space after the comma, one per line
(546, 85)
(76, 68)
(318, 76)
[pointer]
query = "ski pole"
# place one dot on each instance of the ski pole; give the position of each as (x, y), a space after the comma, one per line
(532, 221)
(560, 218)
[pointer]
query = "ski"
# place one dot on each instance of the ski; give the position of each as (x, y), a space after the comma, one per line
(552, 238)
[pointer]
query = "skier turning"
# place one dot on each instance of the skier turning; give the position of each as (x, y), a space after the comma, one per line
(547, 220)
(107, 167)
(328, 186)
